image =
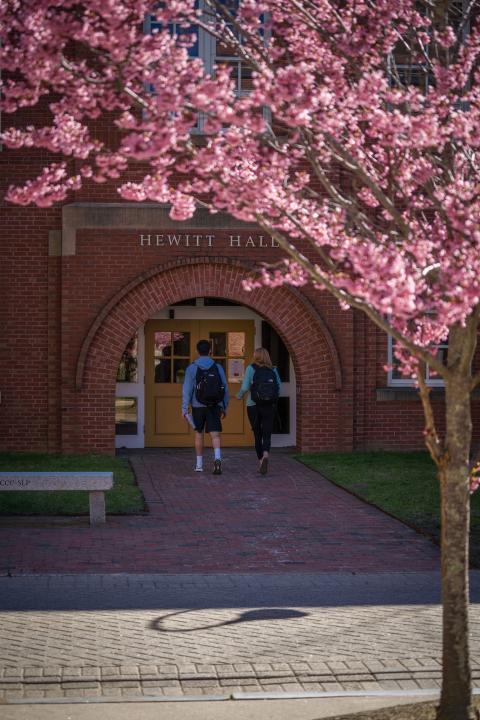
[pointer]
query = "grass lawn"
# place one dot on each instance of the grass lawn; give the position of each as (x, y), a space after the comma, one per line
(124, 497)
(403, 484)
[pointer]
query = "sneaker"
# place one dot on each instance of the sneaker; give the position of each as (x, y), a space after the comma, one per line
(263, 466)
(217, 467)
(198, 469)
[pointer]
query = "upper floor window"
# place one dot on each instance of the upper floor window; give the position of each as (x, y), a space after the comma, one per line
(211, 51)
(409, 63)
(395, 377)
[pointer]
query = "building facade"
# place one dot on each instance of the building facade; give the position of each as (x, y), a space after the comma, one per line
(102, 305)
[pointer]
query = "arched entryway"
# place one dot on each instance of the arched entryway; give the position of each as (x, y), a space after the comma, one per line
(152, 369)
(309, 343)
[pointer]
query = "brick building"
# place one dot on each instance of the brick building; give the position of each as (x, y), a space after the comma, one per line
(92, 292)
(102, 303)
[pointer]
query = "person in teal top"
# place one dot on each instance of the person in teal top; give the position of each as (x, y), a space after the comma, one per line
(260, 416)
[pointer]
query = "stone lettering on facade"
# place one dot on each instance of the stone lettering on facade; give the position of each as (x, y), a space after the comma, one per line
(208, 241)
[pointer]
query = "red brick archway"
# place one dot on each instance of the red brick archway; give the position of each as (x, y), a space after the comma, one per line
(312, 349)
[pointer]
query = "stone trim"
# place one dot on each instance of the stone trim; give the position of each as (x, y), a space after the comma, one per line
(79, 216)
(54, 243)
(388, 394)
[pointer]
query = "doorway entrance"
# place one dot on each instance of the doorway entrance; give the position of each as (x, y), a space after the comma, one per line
(136, 386)
(170, 346)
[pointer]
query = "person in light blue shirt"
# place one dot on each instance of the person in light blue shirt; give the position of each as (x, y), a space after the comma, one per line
(205, 417)
(261, 415)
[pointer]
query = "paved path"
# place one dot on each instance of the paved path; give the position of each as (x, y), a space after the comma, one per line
(238, 522)
(194, 634)
(230, 584)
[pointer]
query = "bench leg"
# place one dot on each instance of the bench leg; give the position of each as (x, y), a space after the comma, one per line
(97, 507)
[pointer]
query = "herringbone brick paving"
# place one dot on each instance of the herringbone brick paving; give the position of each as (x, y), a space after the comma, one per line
(85, 635)
(238, 522)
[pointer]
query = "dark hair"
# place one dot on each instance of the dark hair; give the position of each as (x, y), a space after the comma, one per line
(203, 347)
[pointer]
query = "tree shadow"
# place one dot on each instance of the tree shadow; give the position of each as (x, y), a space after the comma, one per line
(246, 616)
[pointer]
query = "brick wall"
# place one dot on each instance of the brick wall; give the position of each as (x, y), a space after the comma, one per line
(68, 317)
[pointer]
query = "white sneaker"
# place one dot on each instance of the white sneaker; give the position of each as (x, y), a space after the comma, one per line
(198, 469)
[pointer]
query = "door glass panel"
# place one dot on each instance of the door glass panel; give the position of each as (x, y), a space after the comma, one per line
(162, 340)
(163, 371)
(125, 416)
(236, 370)
(221, 362)
(179, 367)
(236, 344)
(162, 355)
(127, 368)
(181, 344)
(218, 341)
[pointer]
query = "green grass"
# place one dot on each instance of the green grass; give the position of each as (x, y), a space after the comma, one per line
(124, 497)
(403, 484)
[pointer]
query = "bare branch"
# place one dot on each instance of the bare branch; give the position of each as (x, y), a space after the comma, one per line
(432, 441)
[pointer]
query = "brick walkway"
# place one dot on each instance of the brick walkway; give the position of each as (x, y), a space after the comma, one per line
(238, 522)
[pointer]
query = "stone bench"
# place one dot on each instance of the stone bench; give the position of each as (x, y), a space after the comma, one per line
(95, 483)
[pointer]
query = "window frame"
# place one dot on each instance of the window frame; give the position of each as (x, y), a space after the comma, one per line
(207, 53)
(410, 381)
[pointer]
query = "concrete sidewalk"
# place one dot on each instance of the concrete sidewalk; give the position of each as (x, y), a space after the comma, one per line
(124, 636)
(302, 709)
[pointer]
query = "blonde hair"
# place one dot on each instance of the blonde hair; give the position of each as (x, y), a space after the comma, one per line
(262, 357)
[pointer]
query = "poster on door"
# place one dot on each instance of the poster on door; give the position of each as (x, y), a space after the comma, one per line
(236, 370)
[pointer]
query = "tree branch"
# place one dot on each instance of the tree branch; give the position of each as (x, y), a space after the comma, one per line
(432, 441)
(315, 274)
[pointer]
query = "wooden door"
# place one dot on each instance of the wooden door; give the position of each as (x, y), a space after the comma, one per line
(170, 346)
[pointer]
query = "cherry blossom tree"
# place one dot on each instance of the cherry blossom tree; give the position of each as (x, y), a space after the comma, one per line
(349, 131)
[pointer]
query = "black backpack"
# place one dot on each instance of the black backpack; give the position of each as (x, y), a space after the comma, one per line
(264, 389)
(209, 388)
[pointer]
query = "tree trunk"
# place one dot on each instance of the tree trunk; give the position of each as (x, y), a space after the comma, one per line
(456, 694)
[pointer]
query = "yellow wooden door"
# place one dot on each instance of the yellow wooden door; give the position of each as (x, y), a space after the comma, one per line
(170, 346)
(168, 352)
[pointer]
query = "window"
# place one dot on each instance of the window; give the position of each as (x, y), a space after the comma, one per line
(403, 72)
(128, 366)
(396, 378)
(126, 416)
(172, 356)
(203, 47)
(403, 75)
(210, 52)
(225, 56)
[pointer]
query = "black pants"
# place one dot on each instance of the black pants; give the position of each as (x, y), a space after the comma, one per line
(261, 419)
